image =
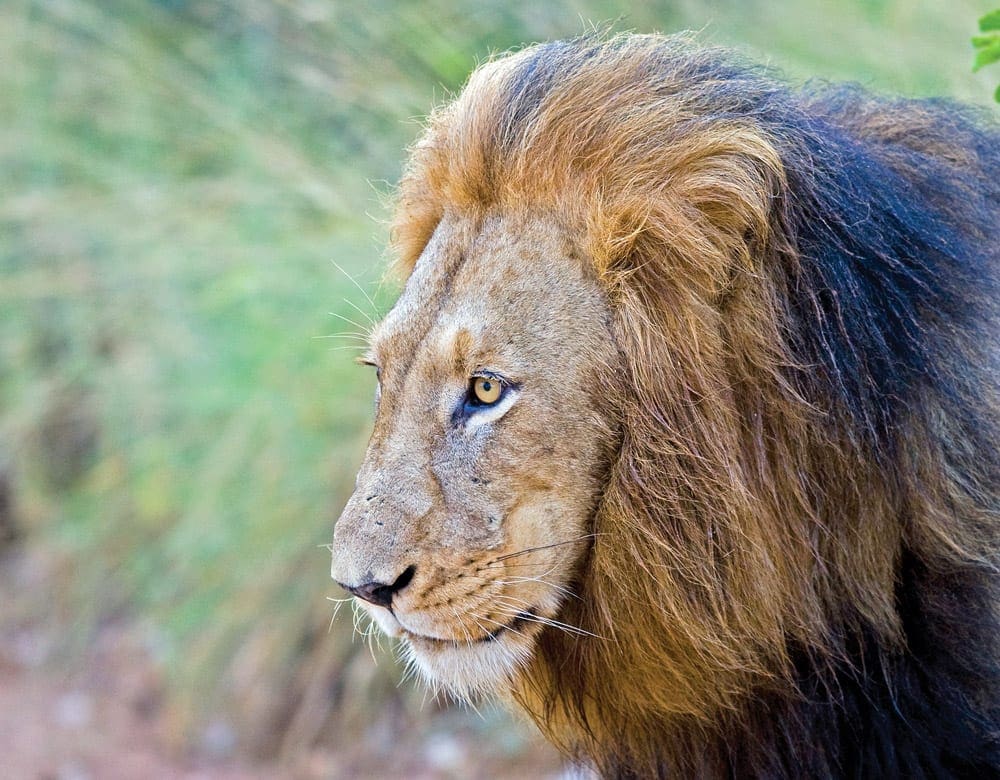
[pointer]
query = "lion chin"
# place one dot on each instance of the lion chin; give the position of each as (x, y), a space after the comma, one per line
(686, 432)
(467, 668)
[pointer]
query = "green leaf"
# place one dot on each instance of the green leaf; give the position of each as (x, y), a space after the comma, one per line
(991, 21)
(996, 95)
(987, 56)
(982, 41)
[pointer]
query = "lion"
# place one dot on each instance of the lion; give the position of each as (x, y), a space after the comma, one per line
(686, 432)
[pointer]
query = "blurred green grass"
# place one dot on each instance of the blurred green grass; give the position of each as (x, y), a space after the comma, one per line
(175, 179)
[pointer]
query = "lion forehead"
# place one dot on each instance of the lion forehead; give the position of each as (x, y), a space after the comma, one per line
(484, 281)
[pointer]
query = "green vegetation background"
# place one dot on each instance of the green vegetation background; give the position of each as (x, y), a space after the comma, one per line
(177, 181)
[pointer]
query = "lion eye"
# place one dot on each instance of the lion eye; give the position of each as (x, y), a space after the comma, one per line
(486, 390)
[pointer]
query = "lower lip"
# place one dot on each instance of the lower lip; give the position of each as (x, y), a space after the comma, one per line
(522, 618)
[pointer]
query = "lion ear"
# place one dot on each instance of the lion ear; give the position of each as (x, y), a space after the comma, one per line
(703, 221)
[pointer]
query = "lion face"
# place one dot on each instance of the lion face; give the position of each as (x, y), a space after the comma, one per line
(472, 508)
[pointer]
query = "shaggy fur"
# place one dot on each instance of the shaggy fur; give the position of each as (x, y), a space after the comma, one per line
(794, 572)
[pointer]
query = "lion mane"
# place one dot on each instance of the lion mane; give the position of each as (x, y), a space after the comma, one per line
(794, 565)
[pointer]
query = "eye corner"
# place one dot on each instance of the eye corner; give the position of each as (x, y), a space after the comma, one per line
(369, 360)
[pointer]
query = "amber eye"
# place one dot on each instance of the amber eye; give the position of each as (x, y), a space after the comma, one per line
(486, 390)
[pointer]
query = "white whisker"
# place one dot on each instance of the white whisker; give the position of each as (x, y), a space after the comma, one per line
(355, 283)
(541, 581)
(512, 603)
(543, 547)
(506, 626)
(337, 604)
(346, 334)
(360, 311)
(349, 321)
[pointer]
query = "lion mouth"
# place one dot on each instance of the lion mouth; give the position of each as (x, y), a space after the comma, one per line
(516, 624)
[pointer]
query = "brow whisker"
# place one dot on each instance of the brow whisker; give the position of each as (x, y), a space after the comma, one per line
(348, 320)
(355, 283)
(356, 347)
(362, 345)
(360, 311)
(345, 334)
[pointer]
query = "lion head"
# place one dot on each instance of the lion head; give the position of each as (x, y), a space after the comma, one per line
(491, 443)
(674, 408)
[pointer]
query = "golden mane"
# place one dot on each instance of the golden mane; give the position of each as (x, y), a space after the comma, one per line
(804, 499)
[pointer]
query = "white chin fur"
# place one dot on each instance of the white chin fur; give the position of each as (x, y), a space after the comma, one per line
(467, 671)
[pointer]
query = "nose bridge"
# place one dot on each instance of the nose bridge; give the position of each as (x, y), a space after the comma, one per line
(378, 533)
(397, 464)
(396, 472)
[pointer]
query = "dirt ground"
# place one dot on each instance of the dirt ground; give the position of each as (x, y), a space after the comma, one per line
(105, 720)
(88, 726)
(103, 723)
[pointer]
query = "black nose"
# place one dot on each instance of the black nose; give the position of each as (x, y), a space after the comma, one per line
(378, 592)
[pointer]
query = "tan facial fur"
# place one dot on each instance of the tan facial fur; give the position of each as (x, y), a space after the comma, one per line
(486, 511)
